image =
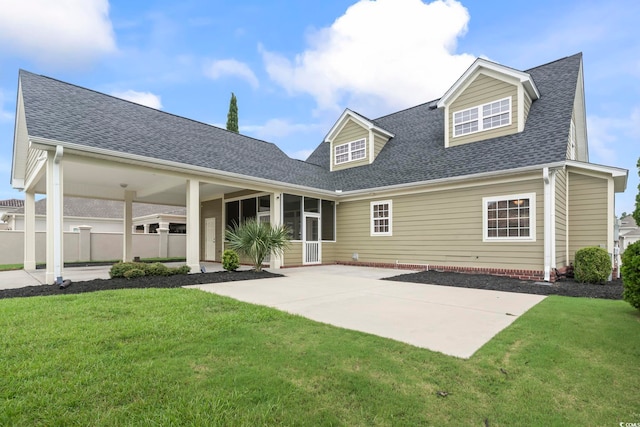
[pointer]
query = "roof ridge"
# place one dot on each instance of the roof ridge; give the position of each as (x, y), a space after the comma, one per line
(407, 109)
(21, 70)
(554, 61)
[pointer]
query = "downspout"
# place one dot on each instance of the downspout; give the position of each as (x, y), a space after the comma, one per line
(548, 178)
(57, 215)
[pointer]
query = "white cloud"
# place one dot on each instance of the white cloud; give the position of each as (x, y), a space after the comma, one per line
(61, 33)
(143, 98)
(398, 52)
(277, 128)
(231, 68)
(608, 135)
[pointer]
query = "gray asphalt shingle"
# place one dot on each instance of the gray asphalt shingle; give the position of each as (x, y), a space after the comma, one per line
(61, 111)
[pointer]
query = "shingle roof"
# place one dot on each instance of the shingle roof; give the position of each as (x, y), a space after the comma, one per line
(95, 208)
(12, 203)
(65, 112)
(417, 153)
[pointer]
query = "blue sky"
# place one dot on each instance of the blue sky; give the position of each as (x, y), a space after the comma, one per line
(295, 65)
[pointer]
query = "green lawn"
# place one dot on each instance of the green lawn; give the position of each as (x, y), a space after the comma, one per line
(185, 357)
(7, 267)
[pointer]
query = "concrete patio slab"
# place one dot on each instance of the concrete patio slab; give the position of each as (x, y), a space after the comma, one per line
(454, 321)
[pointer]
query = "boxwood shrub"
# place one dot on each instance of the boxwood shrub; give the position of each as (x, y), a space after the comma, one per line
(631, 274)
(133, 273)
(230, 260)
(592, 265)
(120, 269)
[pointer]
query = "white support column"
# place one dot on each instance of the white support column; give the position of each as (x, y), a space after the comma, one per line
(275, 203)
(552, 184)
(193, 225)
(29, 230)
(55, 191)
(547, 224)
(127, 235)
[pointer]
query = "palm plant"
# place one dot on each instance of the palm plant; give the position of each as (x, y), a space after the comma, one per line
(257, 240)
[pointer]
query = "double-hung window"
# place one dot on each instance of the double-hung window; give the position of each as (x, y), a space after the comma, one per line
(354, 150)
(381, 213)
(482, 117)
(509, 217)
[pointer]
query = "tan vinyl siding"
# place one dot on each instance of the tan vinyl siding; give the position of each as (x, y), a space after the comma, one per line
(561, 219)
(293, 255)
(484, 89)
(349, 133)
(329, 252)
(212, 209)
(439, 228)
(378, 143)
(587, 212)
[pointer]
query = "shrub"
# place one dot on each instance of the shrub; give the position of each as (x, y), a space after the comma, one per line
(592, 265)
(120, 268)
(134, 272)
(631, 274)
(230, 260)
(185, 269)
(157, 269)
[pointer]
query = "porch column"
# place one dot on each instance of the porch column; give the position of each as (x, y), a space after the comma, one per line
(127, 235)
(193, 225)
(29, 230)
(163, 242)
(55, 191)
(275, 202)
(548, 177)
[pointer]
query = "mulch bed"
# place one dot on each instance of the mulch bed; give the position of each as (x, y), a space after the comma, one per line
(567, 287)
(140, 282)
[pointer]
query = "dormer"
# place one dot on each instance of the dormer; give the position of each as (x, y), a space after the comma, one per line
(488, 101)
(355, 141)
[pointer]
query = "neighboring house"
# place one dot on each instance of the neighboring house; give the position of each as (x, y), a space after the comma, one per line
(6, 207)
(493, 177)
(103, 216)
(629, 232)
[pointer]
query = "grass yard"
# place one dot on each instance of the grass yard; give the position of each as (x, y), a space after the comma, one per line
(7, 267)
(185, 357)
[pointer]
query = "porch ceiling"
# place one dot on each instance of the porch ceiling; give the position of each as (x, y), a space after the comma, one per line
(99, 179)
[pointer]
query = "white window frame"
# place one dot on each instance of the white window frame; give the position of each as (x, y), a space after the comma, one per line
(532, 218)
(350, 151)
(480, 117)
(389, 218)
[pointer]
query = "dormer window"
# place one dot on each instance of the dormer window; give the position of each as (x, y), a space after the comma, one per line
(482, 117)
(351, 151)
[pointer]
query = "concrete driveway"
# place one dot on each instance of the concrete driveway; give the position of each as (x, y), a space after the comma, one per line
(454, 321)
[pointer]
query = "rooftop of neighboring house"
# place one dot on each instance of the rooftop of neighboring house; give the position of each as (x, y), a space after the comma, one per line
(11, 203)
(96, 208)
(56, 110)
(627, 224)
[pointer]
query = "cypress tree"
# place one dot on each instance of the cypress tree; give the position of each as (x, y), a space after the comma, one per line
(232, 116)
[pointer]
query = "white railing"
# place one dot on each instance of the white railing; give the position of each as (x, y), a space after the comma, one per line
(312, 252)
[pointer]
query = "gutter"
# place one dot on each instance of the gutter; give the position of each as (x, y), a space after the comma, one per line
(50, 144)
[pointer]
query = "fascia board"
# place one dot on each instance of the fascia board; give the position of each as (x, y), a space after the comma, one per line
(619, 175)
(524, 78)
(441, 181)
(365, 123)
(49, 144)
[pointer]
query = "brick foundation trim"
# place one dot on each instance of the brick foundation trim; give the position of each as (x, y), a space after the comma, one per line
(515, 274)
